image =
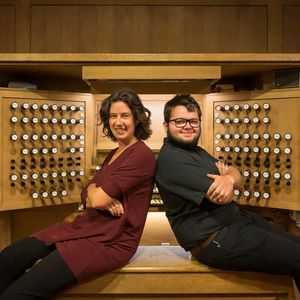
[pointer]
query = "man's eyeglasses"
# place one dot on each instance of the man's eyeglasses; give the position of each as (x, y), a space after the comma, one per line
(181, 122)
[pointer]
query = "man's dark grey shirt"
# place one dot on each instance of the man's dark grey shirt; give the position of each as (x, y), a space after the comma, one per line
(182, 181)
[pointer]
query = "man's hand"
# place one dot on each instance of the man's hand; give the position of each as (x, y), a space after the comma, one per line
(223, 169)
(221, 190)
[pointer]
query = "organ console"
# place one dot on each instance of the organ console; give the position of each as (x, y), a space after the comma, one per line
(50, 145)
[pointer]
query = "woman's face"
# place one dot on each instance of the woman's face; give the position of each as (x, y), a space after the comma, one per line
(121, 122)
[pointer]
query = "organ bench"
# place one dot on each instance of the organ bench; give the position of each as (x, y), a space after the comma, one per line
(168, 272)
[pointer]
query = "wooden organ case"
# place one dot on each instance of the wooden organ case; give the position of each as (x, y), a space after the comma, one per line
(52, 143)
(257, 132)
(46, 147)
(52, 140)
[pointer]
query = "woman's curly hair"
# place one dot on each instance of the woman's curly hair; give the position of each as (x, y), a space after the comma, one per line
(140, 113)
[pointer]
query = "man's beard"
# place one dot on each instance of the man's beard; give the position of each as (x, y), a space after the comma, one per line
(186, 145)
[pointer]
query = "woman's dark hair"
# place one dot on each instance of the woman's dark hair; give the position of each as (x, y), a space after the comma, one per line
(140, 113)
(185, 100)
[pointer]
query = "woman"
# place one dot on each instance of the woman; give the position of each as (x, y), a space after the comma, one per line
(107, 234)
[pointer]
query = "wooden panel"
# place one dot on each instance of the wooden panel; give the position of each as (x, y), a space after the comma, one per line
(58, 71)
(151, 72)
(160, 87)
(275, 19)
(283, 118)
(291, 28)
(42, 163)
(170, 272)
(188, 297)
(7, 28)
(22, 26)
(149, 28)
(155, 103)
(157, 231)
(26, 221)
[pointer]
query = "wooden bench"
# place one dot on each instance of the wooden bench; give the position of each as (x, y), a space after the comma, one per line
(168, 272)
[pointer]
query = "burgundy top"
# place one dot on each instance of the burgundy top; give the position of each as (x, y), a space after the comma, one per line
(96, 242)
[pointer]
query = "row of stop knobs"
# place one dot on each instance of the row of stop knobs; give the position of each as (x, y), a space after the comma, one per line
(245, 120)
(266, 194)
(266, 150)
(51, 150)
(45, 107)
(256, 107)
(45, 121)
(42, 194)
(255, 136)
(267, 175)
(44, 175)
(45, 137)
(43, 163)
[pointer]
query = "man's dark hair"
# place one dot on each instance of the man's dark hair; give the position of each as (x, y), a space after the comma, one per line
(185, 100)
(140, 113)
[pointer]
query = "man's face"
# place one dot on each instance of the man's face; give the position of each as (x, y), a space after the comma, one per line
(187, 136)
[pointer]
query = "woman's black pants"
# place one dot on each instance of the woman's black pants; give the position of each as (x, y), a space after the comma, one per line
(22, 279)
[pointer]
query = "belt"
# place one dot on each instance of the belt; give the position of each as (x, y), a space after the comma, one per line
(204, 244)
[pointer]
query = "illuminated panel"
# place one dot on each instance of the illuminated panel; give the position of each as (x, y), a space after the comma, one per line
(44, 149)
(258, 134)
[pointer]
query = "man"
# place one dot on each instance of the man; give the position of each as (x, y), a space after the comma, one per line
(197, 193)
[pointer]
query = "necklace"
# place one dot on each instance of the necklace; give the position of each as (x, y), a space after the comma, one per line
(120, 150)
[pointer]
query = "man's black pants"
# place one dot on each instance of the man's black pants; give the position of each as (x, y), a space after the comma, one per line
(20, 280)
(251, 243)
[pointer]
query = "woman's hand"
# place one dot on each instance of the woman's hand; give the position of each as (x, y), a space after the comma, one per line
(115, 208)
(98, 199)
